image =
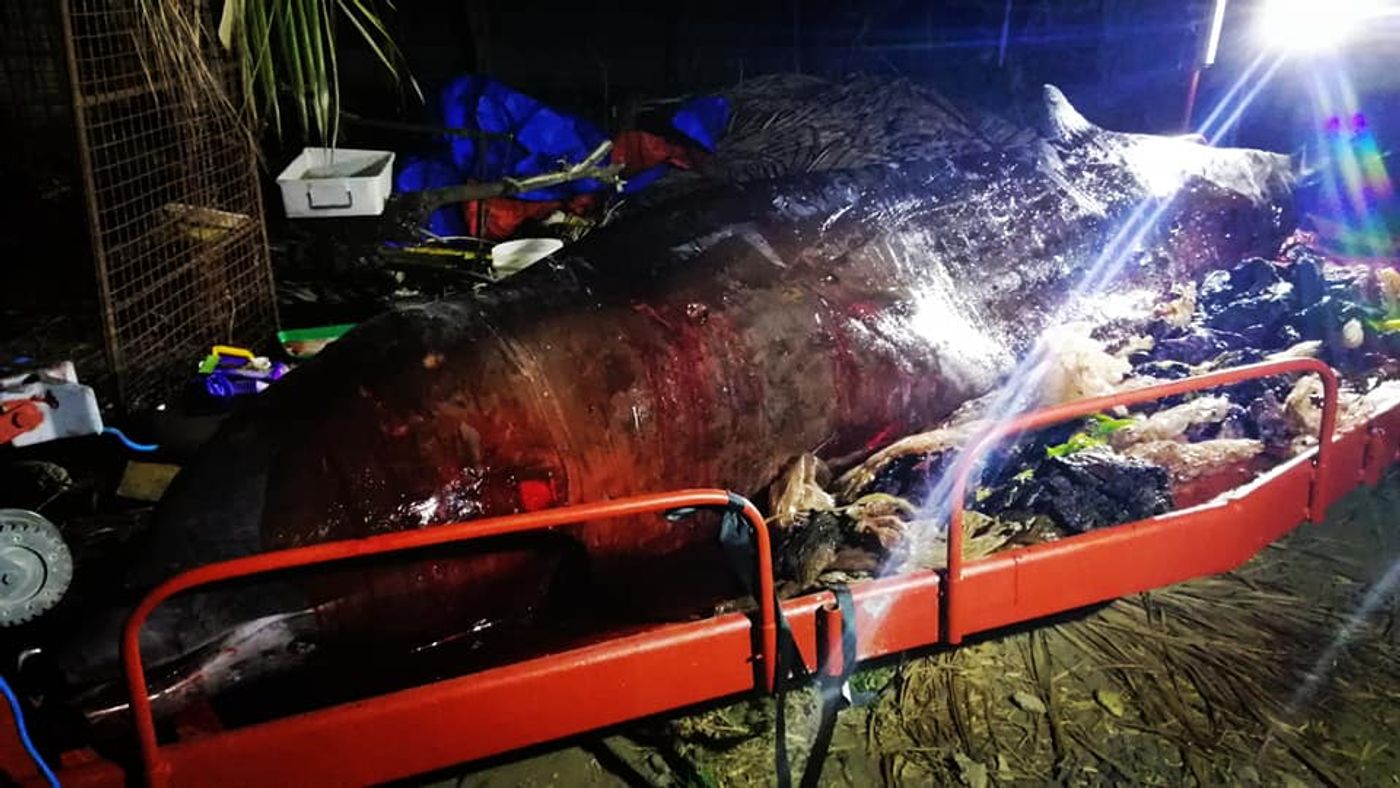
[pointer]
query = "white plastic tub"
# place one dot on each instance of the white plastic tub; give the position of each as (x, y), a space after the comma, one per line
(327, 182)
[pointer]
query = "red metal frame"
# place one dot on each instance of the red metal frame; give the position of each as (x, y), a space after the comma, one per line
(672, 666)
(157, 768)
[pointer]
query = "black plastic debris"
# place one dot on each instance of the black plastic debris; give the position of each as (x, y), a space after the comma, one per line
(911, 476)
(801, 554)
(1221, 289)
(1256, 314)
(1321, 321)
(1196, 345)
(1236, 424)
(916, 477)
(1265, 307)
(1164, 369)
(1308, 281)
(1086, 490)
(1268, 421)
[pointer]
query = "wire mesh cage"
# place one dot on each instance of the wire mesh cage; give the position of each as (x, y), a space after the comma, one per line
(171, 194)
(48, 293)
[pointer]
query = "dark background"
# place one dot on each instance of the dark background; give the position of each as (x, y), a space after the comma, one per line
(1125, 63)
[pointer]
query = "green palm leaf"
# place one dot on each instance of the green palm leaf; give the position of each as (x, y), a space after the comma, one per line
(284, 52)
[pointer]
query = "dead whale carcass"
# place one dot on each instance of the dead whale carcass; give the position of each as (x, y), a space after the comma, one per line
(704, 343)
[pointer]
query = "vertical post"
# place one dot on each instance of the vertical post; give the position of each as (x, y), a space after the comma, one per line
(1192, 87)
(99, 252)
(1206, 59)
(1320, 492)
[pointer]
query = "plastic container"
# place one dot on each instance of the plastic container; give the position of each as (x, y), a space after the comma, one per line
(304, 343)
(329, 182)
(221, 386)
(512, 257)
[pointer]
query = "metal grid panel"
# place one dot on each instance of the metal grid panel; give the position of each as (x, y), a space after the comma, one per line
(173, 204)
(48, 306)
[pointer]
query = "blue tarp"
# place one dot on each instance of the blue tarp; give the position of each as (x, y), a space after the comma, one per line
(419, 173)
(703, 120)
(533, 139)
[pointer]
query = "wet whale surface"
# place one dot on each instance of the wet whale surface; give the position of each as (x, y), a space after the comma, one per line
(700, 343)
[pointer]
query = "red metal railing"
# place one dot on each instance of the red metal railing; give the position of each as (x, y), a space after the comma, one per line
(969, 460)
(330, 552)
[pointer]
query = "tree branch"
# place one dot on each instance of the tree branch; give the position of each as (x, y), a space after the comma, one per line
(410, 210)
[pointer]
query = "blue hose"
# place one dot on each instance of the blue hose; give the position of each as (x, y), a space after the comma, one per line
(24, 733)
(128, 442)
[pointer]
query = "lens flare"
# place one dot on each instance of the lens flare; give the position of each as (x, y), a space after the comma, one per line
(1312, 26)
(1376, 597)
(1355, 205)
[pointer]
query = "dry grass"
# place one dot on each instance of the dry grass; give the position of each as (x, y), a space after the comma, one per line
(1202, 683)
(1189, 683)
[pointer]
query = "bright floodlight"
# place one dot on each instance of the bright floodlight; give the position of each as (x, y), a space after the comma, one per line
(1311, 25)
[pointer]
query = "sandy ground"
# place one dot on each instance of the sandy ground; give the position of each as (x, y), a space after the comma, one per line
(1286, 672)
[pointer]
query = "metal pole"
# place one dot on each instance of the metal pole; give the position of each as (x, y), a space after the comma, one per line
(1191, 88)
(1207, 59)
(110, 339)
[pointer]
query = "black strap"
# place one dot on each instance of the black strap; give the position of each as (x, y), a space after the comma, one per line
(782, 765)
(846, 604)
(833, 689)
(737, 541)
